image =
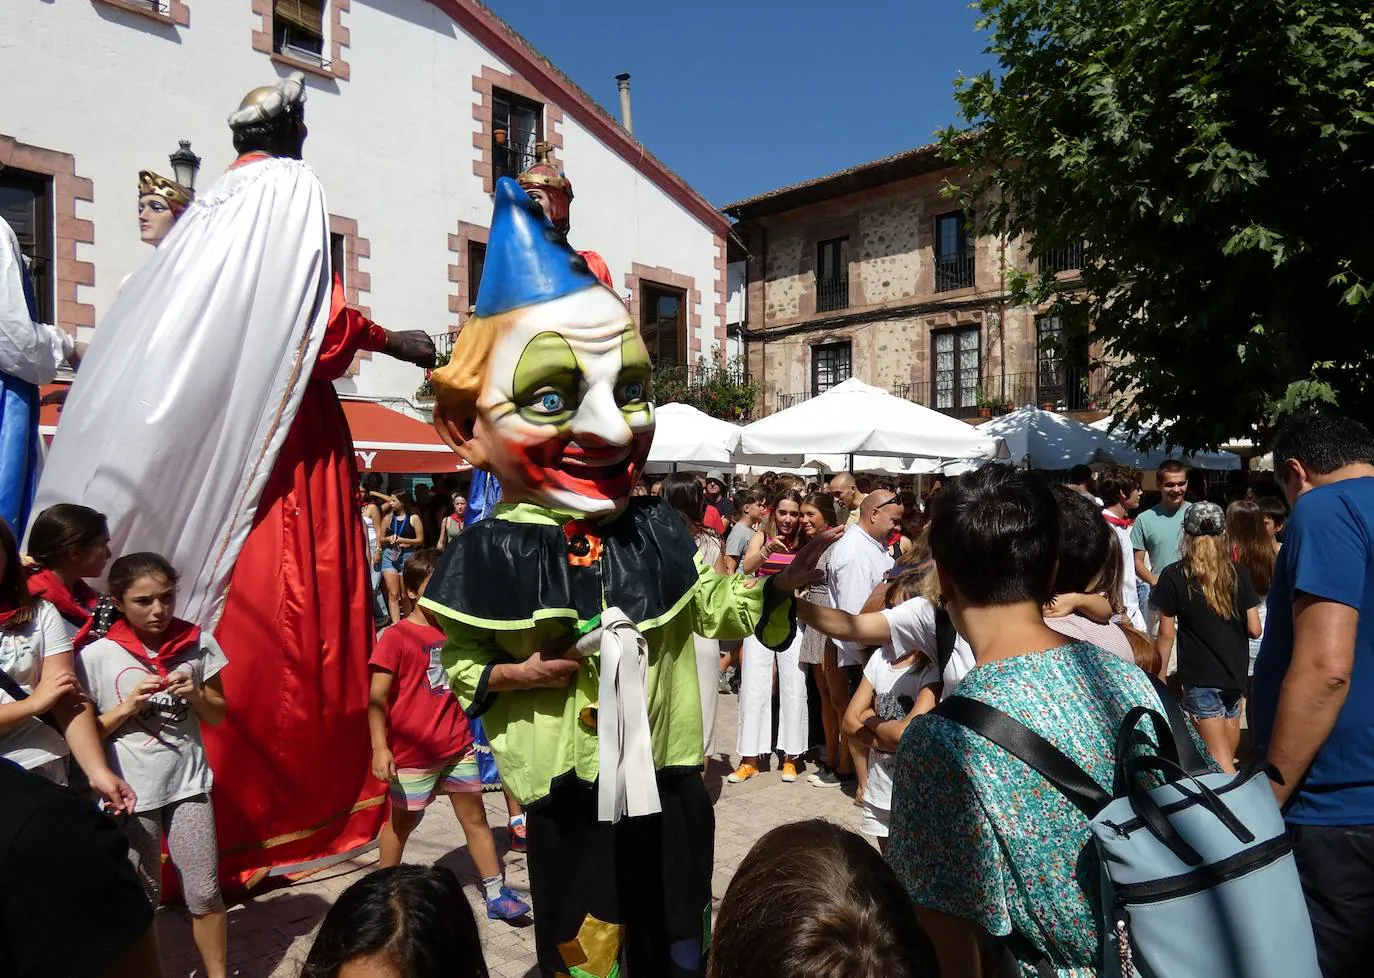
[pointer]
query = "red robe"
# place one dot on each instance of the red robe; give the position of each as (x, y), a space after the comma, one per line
(291, 761)
(598, 267)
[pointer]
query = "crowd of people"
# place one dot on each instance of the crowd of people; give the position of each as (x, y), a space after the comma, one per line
(1017, 593)
(1010, 589)
(860, 613)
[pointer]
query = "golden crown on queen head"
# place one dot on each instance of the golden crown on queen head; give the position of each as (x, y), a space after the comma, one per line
(177, 196)
(544, 172)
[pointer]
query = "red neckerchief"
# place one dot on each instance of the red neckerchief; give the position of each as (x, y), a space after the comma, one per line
(1117, 520)
(7, 613)
(180, 636)
(75, 605)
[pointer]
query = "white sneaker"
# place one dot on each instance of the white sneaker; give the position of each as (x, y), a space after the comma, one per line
(825, 779)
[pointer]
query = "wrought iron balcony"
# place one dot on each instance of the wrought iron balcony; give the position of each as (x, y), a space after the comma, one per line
(1064, 387)
(512, 152)
(832, 294)
(954, 270)
(443, 345)
(1061, 259)
(787, 400)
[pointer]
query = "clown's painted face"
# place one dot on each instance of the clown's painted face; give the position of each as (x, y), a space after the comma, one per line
(565, 413)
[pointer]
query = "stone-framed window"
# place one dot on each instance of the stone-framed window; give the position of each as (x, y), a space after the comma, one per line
(347, 249)
(497, 93)
(653, 291)
(58, 232)
(305, 34)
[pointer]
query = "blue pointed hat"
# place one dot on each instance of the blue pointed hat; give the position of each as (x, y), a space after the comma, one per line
(528, 261)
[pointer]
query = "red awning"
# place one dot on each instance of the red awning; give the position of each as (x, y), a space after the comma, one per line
(383, 440)
(389, 441)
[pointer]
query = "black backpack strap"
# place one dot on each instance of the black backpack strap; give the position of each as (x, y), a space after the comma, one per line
(1035, 751)
(945, 636)
(1188, 756)
(16, 693)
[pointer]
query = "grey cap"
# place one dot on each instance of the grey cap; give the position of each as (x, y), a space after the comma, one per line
(1204, 520)
(715, 475)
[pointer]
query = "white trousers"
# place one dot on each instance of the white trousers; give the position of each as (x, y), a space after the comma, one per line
(756, 700)
(708, 679)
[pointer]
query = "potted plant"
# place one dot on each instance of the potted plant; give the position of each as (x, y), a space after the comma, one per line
(985, 404)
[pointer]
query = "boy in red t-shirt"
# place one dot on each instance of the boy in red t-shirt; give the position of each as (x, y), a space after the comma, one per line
(428, 748)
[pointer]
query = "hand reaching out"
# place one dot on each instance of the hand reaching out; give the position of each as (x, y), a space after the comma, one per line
(802, 571)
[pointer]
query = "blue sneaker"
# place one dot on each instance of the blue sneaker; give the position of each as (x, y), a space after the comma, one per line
(506, 906)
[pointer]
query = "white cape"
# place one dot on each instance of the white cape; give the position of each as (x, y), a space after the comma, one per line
(194, 376)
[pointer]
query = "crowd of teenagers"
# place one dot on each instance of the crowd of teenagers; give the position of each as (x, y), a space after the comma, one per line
(1062, 605)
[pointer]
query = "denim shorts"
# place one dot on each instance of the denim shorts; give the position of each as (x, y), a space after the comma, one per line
(394, 560)
(1210, 703)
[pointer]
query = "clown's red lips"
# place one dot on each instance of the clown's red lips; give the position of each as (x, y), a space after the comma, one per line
(592, 472)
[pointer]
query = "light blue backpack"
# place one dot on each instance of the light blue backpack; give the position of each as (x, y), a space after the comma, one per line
(1198, 878)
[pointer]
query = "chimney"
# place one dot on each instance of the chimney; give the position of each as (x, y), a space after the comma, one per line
(626, 120)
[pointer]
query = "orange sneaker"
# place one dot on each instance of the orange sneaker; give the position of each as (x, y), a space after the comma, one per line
(742, 773)
(789, 771)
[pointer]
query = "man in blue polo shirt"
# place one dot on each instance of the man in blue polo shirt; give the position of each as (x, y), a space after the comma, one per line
(1312, 710)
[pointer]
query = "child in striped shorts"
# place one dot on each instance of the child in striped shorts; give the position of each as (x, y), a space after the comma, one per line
(422, 745)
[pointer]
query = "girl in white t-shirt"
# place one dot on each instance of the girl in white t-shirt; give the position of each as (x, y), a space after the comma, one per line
(43, 714)
(155, 679)
(895, 687)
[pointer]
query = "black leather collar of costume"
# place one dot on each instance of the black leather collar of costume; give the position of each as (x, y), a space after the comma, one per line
(505, 576)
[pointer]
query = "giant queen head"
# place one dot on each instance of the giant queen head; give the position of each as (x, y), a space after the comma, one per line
(548, 387)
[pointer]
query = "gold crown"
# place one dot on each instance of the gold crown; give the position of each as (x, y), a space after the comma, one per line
(544, 172)
(177, 196)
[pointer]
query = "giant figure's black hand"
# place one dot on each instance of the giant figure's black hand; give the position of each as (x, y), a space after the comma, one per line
(411, 345)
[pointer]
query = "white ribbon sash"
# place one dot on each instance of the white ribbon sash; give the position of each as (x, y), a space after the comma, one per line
(627, 784)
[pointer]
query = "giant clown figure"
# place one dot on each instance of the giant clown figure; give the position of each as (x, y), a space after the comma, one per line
(570, 614)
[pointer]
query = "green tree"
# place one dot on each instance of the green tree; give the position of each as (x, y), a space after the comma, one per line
(714, 385)
(1217, 157)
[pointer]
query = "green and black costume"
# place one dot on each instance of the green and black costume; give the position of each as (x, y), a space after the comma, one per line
(526, 580)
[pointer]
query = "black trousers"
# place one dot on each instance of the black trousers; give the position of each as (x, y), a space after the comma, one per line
(1336, 866)
(650, 875)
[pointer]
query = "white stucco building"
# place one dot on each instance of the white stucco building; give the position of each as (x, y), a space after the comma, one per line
(414, 107)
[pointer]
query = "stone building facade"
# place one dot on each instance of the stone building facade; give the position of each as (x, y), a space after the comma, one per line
(874, 273)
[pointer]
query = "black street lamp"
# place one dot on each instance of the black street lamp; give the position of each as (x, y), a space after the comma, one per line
(185, 164)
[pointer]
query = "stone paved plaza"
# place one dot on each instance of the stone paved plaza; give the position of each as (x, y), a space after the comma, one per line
(270, 934)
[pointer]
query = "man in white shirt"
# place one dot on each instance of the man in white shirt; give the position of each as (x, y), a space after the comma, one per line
(857, 565)
(1120, 487)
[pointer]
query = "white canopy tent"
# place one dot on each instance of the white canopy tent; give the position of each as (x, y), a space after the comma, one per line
(1216, 461)
(1046, 440)
(685, 436)
(856, 420)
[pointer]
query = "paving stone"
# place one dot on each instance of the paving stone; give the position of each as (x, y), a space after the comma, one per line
(270, 934)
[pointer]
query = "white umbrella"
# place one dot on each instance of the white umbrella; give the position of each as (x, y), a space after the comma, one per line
(682, 434)
(854, 418)
(1216, 461)
(1046, 440)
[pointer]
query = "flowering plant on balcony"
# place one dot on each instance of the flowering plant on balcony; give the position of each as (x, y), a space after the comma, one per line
(714, 386)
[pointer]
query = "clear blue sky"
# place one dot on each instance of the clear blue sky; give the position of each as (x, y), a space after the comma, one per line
(742, 96)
